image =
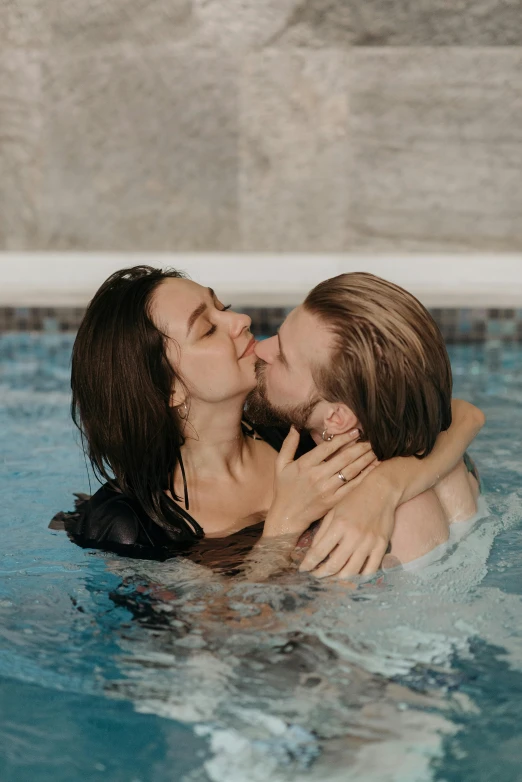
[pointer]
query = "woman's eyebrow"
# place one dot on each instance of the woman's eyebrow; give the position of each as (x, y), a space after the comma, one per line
(200, 309)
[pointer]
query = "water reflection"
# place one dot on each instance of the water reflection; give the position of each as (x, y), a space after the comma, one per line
(294, 674)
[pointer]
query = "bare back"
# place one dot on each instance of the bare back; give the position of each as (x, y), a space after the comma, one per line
(423, 523)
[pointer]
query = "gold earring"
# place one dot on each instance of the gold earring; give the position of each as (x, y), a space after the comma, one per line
(183, 414)
(327, 437)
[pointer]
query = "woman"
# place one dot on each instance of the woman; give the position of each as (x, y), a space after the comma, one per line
(160, 373)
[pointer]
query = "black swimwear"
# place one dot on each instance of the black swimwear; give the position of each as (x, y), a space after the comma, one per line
(113, 521)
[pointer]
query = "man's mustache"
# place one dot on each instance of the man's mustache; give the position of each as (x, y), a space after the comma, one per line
(260, 367)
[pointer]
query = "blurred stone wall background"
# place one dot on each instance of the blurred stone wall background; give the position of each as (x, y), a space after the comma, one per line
(276, 125)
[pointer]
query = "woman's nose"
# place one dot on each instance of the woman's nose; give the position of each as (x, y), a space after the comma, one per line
(266, 349)
(240, 323)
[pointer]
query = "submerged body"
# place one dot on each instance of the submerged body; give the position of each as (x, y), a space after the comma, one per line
(453, 499)
(113, 521)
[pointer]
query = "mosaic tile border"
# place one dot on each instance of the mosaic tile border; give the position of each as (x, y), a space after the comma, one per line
(462, 325)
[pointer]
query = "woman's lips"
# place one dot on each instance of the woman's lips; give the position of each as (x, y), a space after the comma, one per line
(249, 348)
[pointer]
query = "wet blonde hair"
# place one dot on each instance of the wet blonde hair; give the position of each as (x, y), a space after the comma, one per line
(389, 363)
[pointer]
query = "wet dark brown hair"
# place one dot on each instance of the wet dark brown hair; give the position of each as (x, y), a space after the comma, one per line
(121, 384)
(389, 363)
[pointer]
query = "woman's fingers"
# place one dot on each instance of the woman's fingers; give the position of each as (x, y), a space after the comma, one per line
(354, 566)
(362, 475)
(325, 450)
(350, 472)
(344, 458)
(353, 469)
(370, 467)
(374, 561)
(323, 527)
(289, 447)
(320, 549)
(346, 557)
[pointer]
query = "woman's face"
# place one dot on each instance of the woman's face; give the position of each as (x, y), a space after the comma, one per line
(210, 346)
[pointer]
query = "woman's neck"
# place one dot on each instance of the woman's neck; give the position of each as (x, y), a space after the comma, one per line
(214, 439)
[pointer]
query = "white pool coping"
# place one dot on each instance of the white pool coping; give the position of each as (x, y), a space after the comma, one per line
(262, 279)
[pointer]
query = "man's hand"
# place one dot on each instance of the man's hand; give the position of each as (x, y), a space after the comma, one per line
(355, 534)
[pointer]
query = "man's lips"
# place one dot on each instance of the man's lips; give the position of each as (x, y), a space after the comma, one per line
(249, 348)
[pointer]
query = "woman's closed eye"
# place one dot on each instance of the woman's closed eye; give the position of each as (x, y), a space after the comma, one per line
(213, 328)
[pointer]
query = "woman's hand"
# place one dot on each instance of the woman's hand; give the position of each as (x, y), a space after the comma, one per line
(354, 535)
(307, 488)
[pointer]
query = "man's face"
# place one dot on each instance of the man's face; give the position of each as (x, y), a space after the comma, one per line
(286, 389)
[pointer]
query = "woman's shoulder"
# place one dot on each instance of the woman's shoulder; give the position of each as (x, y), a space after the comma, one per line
(109, 515)
(113, 521)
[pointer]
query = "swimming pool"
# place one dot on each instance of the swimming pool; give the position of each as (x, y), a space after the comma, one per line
(130, 671)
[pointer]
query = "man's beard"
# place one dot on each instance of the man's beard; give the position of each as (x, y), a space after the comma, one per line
(260, 411)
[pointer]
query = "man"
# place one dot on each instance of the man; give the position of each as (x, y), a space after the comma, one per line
(362, 352)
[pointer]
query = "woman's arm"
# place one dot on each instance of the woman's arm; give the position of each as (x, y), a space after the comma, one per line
(361, 525)
(270, 555)
(408, 476)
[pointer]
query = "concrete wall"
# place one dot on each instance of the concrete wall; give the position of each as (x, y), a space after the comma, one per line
(266, 125)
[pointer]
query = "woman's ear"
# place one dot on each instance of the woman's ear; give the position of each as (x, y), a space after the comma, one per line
(339, 419)
(178, 396)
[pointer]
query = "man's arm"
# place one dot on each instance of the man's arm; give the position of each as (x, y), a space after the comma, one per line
(359, 528)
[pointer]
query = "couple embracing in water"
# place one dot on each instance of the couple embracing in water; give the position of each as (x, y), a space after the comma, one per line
(342, 424)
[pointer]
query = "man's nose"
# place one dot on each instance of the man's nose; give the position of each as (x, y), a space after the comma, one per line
(266, 349)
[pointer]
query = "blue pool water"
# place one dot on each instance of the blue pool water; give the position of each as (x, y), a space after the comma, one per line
(118, 670)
